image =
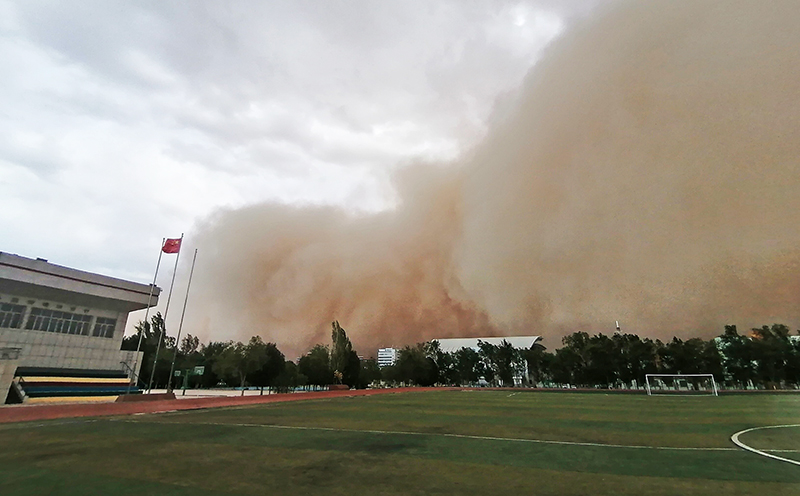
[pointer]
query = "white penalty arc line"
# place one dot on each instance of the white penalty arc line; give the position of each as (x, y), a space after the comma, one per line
(457, 436)
(737, 442)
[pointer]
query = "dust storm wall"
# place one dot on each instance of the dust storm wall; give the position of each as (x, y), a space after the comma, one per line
(647, 173)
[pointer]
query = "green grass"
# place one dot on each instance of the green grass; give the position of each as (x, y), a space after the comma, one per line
(331, 447)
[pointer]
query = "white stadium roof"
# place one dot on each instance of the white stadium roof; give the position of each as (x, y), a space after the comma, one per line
(450, 345)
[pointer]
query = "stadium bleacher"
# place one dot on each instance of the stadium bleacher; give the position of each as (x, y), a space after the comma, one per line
(42, 385)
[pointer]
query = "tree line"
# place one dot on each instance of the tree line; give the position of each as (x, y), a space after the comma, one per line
(769, 357)
(252, 364)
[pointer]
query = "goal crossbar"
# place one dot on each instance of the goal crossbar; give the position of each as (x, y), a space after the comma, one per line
(647, 378)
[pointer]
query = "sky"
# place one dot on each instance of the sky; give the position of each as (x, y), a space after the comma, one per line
(413, 169)
(125, 122)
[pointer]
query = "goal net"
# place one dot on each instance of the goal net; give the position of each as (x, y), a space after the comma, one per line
(680, 384)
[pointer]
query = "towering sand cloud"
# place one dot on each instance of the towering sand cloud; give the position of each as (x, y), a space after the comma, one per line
(648, 173)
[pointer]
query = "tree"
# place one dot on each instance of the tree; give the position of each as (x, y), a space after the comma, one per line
(189, 344)
(635, 357)
(209, 355)
(289, 378)
(343, 358)
(152, 332)
(601, 362)
(693, 356)
(413, 366)
(445, 363)
(772, 351)
(466, 361)
(316, 366)
(573, 359)
(487, 367)
(352, 370)
(369, 373)
(186, 358)
(239, 360)
(793, 362)
(391, 374)
(738, 356)
(508, 362)
(130, 343)
(273, 364)
(340, 348)
(566, 366)
(711, 359)
(539, 361)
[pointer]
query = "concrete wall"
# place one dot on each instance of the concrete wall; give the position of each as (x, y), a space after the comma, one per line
(8, 364)
(134, 362)
(44, 349)
(69, 351)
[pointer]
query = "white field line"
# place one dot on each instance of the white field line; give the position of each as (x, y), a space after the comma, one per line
(737, 442)
(734, 438)
(457, 436)
(47, 423)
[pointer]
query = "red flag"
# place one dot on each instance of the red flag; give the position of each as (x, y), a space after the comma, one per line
(171, 245)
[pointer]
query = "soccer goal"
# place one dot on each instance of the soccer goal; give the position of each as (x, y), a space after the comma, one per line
(680, 384)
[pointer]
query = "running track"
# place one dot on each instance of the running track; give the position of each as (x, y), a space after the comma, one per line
(24, 413)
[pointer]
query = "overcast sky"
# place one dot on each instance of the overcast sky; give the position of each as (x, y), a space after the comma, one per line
(125, 122)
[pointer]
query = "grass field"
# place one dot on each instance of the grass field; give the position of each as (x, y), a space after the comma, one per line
(449, 442)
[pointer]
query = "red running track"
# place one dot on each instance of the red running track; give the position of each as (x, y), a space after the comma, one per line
(25, 413)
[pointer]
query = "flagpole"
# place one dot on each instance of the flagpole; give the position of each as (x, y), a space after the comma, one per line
(162, 334)
(146, 314)
(180, 326)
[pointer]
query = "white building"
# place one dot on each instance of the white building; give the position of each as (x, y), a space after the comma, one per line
(387, 357)
(449, 345)
(62, 328)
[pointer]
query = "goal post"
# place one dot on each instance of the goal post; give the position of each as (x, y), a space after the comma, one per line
(680, 383)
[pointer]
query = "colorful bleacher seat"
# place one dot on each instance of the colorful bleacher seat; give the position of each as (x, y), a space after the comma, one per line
(38, 385)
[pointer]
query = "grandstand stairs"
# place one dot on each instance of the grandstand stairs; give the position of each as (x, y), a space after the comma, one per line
(49, 385)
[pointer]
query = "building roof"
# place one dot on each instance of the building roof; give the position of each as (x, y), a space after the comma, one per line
(37, 278)
(450, 345)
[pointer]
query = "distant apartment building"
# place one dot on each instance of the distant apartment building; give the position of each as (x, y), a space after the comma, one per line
(387, 357)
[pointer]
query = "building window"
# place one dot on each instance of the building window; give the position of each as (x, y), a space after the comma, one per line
(104, 327)
(56, 321)
(11, 315)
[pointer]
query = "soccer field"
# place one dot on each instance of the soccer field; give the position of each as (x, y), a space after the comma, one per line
(447, 442)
